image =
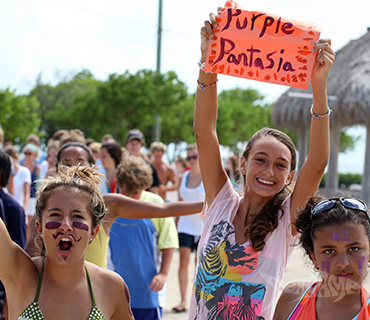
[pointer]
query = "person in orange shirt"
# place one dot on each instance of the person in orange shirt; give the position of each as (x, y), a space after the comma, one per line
(335, 233)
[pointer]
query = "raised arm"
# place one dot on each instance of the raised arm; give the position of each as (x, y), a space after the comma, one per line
(311, 173)
(205, 117)
(13, 260)
(122, 206)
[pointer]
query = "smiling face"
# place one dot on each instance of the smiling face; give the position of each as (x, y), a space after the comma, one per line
(341, 252)
(66, 224)
(268, 167)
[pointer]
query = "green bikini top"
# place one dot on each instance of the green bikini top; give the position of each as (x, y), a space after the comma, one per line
(33, 311)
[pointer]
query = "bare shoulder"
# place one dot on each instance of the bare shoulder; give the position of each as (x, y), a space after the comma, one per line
(289, 298)
(111, 292)
(107, 279)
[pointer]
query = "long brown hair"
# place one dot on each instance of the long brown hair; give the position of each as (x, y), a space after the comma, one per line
(267, 221)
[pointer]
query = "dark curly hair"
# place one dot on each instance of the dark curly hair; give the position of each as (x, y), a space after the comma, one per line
(265, 223)
(309, 225)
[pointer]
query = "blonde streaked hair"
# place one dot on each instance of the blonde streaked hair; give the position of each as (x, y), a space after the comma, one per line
(84, 178)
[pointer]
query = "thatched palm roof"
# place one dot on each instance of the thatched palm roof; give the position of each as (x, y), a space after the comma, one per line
(349, 84)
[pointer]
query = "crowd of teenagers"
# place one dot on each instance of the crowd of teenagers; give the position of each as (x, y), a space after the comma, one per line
(100, 235)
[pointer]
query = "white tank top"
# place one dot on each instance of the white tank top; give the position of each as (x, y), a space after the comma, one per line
(191, 224)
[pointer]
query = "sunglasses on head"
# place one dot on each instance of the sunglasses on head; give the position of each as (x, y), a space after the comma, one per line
(350, 203)
(194, 157)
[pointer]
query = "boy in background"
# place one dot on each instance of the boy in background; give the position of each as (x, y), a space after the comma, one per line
(142, 249)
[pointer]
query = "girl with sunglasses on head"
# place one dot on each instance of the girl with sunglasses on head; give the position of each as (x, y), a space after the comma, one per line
(189, 227)
(335, 234)
(246, 242)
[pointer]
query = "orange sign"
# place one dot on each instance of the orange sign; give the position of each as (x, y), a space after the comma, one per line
(262, 46)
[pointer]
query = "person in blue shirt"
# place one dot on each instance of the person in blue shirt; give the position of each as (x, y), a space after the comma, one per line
(141, 249)
(11, 213)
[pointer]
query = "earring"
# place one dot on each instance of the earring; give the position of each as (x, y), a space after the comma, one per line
(316, 268)
(91, 239)
(41, 235)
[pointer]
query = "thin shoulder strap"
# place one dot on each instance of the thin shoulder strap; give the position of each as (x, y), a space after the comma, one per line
(40, 281)
(302, 301)
(90, 286)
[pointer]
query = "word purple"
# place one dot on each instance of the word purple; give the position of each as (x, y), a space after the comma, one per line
(268, 22)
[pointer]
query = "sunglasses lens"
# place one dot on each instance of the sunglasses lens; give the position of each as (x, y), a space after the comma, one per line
(351, 203)
(322, 206)
(354, 204)
(192, 157)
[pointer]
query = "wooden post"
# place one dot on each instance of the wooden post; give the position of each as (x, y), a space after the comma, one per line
(366, 174)
(302, 148)
(331, 184)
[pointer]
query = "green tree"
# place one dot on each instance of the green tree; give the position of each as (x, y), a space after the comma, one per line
(57, 109)
(241, 113)
(347, 142)
(18, 115)
(127, 101)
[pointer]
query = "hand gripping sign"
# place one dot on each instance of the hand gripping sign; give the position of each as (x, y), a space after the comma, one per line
(262, 46)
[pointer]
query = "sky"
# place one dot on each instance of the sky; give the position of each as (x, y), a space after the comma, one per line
(51, 37)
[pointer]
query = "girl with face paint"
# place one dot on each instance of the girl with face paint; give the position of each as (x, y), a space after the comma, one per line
(335, 233)
(69, 210)
(75, 154)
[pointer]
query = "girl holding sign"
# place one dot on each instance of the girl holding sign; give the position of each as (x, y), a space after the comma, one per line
(246, 242)
(335, 233)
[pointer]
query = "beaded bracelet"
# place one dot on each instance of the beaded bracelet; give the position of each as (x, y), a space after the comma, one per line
(321, 116)
(202, 86)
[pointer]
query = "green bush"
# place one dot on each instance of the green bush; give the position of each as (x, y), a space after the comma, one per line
(345, 179)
